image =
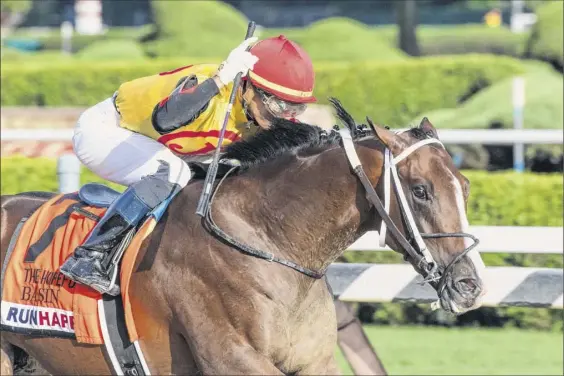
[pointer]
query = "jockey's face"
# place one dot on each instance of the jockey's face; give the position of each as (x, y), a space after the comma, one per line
(256, 108)
(263, 107)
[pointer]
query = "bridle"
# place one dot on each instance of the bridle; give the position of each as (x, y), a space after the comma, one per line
(413, 246)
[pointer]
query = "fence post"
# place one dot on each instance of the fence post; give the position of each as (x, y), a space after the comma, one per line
(68, 173)
(66, 37)
(518, 94)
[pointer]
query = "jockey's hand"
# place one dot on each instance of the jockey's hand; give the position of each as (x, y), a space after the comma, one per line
(238, 61)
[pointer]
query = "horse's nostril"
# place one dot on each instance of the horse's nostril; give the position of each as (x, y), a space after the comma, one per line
(466, 285)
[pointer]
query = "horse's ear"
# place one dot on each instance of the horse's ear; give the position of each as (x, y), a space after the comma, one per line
(428, 128)
(371, 124)
(388, 137)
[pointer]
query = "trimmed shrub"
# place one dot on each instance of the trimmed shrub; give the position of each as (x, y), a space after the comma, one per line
(349, 40)
(117, 49)
(13, 55)
(51, 40)
(547, 40)
(21, 174)
(196, 28)
(493, 106)
(392, 93)
(513, 199)
(461, 39)
(496, 199)
(465, 39)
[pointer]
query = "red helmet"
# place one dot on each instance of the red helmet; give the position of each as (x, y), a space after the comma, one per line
(284, 69)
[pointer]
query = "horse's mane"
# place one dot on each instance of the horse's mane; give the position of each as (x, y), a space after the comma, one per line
(418, 133)
(286, 137)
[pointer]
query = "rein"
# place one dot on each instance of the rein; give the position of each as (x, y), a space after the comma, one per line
(248, 249)
(414, 246)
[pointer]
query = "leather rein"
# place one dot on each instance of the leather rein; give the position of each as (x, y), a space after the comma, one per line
(414, 247)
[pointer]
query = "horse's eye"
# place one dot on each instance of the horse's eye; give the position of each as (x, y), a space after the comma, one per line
(419, 191)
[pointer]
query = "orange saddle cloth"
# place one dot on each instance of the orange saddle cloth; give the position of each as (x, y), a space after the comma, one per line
(37, 299)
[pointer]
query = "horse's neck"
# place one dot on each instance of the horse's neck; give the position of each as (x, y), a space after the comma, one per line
(306, 211)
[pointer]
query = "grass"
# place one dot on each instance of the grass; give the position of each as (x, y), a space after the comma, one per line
(455, 351)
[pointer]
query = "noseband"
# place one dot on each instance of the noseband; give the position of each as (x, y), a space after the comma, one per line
(413, 246)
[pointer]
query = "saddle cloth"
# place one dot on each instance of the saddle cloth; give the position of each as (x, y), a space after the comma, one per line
(37, 299)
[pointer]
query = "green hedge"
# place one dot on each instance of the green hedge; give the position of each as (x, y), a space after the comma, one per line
(21, 174)
(391, 93)
(350, 40)
(496, 199)
(513, 199)
(196, 28)
(546, 42)
(114, 49)
(51, 40)
(461, 39)
(494, 106)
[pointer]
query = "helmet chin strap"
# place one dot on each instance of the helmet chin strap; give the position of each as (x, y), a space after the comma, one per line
(248, 114)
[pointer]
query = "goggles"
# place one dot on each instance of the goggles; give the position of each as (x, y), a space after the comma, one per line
(279, 107)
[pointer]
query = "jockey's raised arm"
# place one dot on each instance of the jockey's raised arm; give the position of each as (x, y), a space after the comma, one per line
(134, 137)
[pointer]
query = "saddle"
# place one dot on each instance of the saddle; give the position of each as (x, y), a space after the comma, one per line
(39, 301)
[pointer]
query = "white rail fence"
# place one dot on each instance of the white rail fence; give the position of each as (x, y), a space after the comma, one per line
(515, 137)
(507, 286)
(447, 136)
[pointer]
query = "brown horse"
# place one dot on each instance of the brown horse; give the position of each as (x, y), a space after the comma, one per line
(203, 304)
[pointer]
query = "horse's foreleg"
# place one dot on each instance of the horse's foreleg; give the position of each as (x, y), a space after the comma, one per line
(322, 366)
(234, 359)
(6, 358)
(354, 343)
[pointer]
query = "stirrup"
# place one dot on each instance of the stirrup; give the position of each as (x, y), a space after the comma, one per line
(111, 262)
(109, 237)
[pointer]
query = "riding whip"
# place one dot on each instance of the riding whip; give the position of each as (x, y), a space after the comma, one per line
(203, 203)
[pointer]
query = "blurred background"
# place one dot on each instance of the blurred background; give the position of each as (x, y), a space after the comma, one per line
(487, 73)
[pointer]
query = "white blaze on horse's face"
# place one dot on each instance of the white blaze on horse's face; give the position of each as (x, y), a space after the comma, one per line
(431, 197)
(473, 255)
(436, 196)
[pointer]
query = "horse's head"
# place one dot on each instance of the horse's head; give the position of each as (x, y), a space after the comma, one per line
(423, 213)
(430, 211)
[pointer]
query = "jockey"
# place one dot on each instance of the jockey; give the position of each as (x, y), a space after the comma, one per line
(130, 138)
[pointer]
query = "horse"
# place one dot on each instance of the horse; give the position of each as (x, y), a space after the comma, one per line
(244, 290)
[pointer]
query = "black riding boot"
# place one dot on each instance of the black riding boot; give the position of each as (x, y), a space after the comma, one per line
(85, 265)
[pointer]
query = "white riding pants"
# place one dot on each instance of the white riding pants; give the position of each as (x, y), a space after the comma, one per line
(118, 154)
